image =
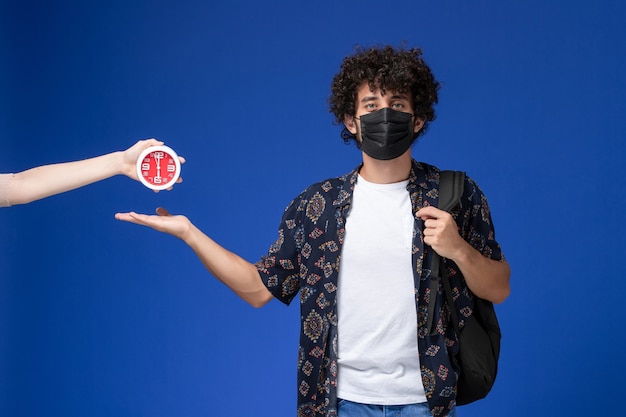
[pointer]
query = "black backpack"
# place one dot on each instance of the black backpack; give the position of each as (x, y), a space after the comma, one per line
(479, 340)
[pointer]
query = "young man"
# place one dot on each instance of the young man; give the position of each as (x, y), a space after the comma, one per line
(357, 248)
(47, 180)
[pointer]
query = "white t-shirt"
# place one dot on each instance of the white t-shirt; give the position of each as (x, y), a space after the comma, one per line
(377, 331)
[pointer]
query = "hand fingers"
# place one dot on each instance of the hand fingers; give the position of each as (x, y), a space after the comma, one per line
(131, 217)
(433, 213)
(154, 141)
(146, 143)
(122, 216)
(156, 222)
(429, 232)
(430, 223)
(430, 212)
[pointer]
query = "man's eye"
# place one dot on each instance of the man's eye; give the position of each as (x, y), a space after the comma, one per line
(398, 105)
(370, 106)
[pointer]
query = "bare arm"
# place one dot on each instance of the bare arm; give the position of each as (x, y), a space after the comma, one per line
(238, 274)
(47, 180)
(487, 278)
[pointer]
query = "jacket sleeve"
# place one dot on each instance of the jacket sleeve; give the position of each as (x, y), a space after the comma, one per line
(280, 267)
(475, 222)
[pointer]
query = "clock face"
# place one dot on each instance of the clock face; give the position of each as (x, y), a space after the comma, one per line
(158, 167)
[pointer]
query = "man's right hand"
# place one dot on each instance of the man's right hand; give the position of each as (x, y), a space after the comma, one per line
(163, 221)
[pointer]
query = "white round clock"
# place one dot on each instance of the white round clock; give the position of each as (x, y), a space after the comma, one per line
(158, 167)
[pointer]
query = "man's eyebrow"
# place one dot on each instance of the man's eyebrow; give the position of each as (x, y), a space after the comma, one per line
(367, 99)
(397, 96)
(400, 96)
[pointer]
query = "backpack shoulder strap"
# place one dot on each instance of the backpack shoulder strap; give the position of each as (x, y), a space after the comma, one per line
(451, 184)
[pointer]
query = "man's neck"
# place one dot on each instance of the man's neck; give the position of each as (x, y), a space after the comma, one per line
(386, 172)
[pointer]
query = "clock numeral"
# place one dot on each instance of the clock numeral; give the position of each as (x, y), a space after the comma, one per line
(171, 168)
(157, 154)
(145, 166)
(157, 180)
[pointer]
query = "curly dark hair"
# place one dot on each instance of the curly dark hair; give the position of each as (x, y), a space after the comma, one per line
(387, 68)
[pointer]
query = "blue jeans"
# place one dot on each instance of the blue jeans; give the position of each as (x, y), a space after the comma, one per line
(347, 408)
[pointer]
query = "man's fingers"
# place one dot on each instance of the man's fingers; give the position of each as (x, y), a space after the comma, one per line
(130, 217)
(430, 223)
(429, 212)
(122, 216)
(140, 218)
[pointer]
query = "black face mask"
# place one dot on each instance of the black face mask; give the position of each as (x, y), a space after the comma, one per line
(386, 133)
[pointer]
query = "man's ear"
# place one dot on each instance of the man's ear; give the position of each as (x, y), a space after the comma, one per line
(350, 123)
(417, 125)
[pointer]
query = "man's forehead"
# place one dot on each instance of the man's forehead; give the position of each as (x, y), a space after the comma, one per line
(374, 87)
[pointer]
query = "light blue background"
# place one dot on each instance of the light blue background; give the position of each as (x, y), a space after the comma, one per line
(104, 318)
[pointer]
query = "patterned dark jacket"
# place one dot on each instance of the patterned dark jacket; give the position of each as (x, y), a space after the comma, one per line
(305, 259)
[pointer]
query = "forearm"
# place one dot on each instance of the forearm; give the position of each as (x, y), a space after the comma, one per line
(5, 180)
(241, 276)
(486, 278)
(47, 180)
